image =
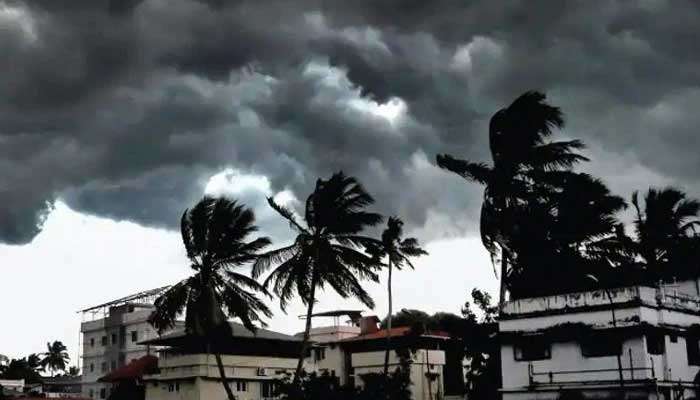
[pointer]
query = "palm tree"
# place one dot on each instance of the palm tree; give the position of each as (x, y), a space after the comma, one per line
(565, 235)
(326, 250)
(521, 155)
(398, 252)
(665, 230)
(56, 357)
(215, 234)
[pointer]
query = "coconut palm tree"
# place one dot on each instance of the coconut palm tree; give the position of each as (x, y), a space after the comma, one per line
(326, 251)
(215, 233)
(398, 252)
(565, 235)
(56, 357)
(521, 156)
(665, 230)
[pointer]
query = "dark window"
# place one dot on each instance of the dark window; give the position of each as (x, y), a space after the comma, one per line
(134, 336)
(533, 348)
(320, 354)
(104, 367)
(92, 342)
(104, 340)
(177, 386)
(122, 359)
(92, 393)
(114, 338)
(92, 369)
(673, 337)
(601, 345)
(241, 386)
(114, 365)
(656, 343)
(103, 393)
(268, 390)
(691, 345)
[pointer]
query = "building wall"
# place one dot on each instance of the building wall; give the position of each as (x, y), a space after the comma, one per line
(96, 355)
(423, 361)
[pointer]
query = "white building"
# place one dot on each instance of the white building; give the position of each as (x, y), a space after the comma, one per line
(111, 333)
(564, 343)
(252, 362)
(350, 350)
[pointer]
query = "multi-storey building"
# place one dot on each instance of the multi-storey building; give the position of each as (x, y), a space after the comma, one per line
(254, 361)
(634, 342)
(110, 335)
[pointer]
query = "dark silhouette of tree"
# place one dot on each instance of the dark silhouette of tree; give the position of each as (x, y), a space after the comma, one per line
(56, 357)
(215, 234)
(666, 239)
(326, 250)
(21, 369)
(521, 156)
(564, 234)
(397, 251)
(73, 371)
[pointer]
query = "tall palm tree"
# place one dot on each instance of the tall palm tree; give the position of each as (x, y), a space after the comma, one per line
(56, 357)
(521, 155)
(215, 234)
(326, 251)
(665, 230)
(398, 252)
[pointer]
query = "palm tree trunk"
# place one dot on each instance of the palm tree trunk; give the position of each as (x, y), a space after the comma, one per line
(305, 341)
(388, 324)
(504, 271)
(222, 373)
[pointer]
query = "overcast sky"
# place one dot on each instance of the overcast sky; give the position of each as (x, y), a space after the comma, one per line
(117, 115)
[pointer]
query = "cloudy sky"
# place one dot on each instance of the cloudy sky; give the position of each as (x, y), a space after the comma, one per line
(117, 115)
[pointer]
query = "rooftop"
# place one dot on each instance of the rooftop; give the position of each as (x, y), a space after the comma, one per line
(665, 296)
(239, 331)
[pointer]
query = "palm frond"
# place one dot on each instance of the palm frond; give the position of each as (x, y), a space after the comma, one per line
(471, 171)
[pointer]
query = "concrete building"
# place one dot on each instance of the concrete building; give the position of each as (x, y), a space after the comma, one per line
(639, 341)
(252, 362)
(356, 347)
(110, 335)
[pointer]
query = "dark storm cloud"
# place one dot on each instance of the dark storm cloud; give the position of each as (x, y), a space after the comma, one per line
(125, 108)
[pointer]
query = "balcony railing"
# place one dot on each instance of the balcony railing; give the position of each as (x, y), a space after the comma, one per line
(590, 376)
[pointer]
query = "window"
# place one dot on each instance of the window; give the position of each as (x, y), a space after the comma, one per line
(134, 336)
(174, 387)
(104, 367)
(673, 337)
(241, 386)
(92, 393)
(268, 390)
(532, 348)
(656, 343)
(691, 346)
(104, 340)
(122, 359)
(320, 353)
(92, 369)
(92, 342)
(601, 344)
(114, 338)
(103, 393)
(113, 364)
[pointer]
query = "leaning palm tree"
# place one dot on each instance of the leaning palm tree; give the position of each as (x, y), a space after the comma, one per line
(215, 234)
(665, 230)
(326, 251)
(398, 252)
(521, 156)
(56, 357)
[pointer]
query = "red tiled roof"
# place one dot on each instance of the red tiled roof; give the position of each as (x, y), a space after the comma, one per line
(135, 369)
(398, 331)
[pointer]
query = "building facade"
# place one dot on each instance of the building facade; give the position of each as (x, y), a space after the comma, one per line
(110, 335)
(251, 361)
(638, 341)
